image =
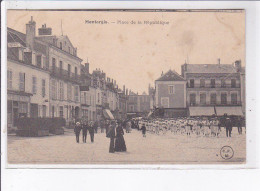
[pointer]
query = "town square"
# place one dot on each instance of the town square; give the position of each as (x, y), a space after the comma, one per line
(102, 95)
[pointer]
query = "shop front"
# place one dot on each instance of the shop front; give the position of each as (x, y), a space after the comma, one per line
(17, 107)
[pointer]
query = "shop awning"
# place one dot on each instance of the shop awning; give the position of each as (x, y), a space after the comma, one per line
(107, 113)
(149, 114)
(201, 111)
(235, 110)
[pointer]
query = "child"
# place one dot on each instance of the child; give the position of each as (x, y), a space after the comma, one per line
(143, 128)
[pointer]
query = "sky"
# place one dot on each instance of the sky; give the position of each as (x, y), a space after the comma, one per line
(136, 54)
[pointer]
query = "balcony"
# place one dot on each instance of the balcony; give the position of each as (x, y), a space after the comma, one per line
(207, 86)
(218, 103)
(65, 75)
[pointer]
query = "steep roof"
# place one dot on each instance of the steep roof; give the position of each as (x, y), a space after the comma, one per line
(170, 76)
(15, 36)
(210, 68)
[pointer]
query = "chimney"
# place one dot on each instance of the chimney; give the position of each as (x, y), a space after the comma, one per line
(87, 67)
(44, 30)
(238, 65)
(162, 73)
(218, 61)
(112, 81)
(126, 93)
(124, 89)
(30, 33)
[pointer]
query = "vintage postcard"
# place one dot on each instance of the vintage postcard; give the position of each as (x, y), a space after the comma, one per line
(126, 87)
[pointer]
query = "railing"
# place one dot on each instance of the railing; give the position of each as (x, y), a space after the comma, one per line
(65, 75)
(213, 86)
(218, 103)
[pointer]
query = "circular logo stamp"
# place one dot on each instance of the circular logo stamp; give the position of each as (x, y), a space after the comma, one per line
(226, 152)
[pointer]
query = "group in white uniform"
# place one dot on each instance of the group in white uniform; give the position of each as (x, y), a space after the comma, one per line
(197, 126)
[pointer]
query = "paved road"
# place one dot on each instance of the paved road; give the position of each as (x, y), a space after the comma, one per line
(169, 148)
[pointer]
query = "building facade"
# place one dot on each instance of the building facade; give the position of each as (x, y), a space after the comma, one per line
(214, 88)
(64, 66)
(170, 94)
(138, 105)
(27, 76)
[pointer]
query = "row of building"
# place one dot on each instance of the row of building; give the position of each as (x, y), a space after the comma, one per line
(202, 90)
(46, 78)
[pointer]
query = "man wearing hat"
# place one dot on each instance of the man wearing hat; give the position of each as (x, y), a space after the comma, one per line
(228, 124)
(77, 130)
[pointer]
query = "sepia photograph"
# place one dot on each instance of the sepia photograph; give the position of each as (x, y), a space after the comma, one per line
(126, 86)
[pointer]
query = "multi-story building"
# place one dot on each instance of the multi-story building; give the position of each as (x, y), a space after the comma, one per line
(27, 75)
(112, 96)
(170, 94)
(122, 101)
(65, 68)
(138, 105)
(213, 88)
(99, 83)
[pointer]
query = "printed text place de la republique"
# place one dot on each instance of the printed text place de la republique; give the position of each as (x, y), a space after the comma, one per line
(125, 22)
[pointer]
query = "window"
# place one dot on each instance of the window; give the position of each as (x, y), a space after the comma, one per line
(61, 111)
(69, 91)
(223, 98)
(34, 85)
(44, 63)
(61, 91)
(53, 89)
(22, 81)
(213, 98)
(202, 83)
(233, 83)
(165, 102)
(69, 69)
(21, 54)
(61, 66)
(191, 83)
(192, 99)
(76, 93)
(131, 108)
(9, 79)
(39, 60)
(44, 111)
(85, 98)
(203, 98)
(223, 83)
(53, 63)
(171, 89)
(61, 45)
(22, 107)
(76, 71)
(234, 98)
(98, 98)
(43, 88)
(212, 83)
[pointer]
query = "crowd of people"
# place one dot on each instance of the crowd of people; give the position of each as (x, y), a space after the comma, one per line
(114, 129)
(200, 126)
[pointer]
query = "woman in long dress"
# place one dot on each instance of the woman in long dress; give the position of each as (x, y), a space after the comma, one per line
(120, 141)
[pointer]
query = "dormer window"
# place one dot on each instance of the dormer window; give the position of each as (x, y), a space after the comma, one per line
(21, 54)
(69, 49)
(39, 60)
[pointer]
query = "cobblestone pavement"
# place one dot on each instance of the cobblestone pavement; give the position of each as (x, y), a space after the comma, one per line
(163, 149)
